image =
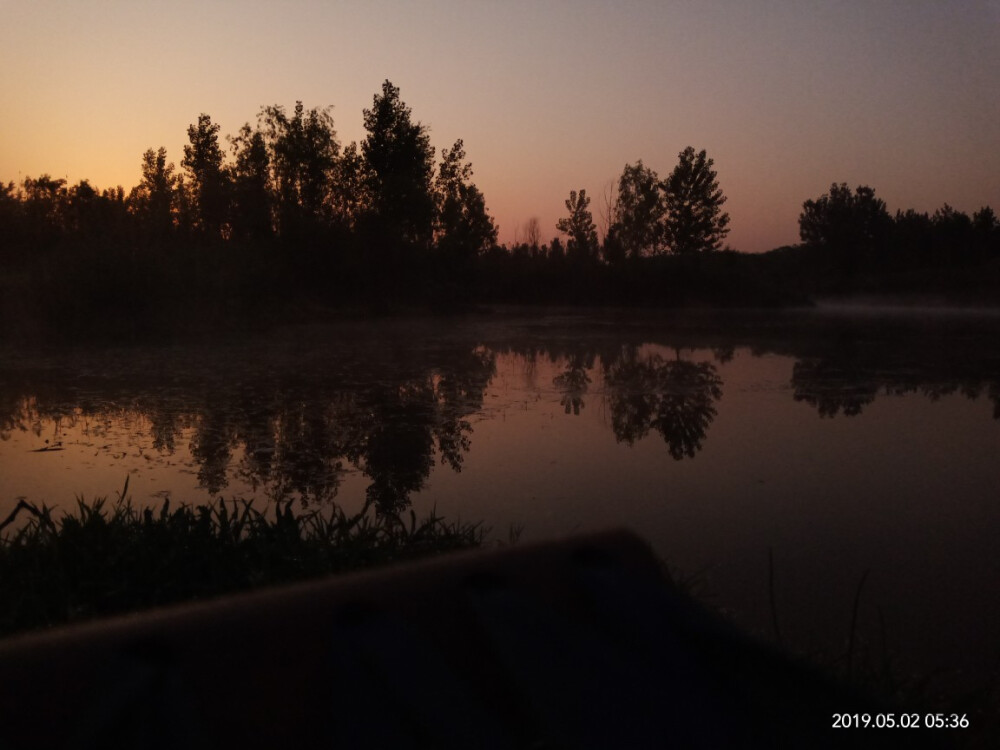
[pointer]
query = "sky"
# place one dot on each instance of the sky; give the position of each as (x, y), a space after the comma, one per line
(786, 96)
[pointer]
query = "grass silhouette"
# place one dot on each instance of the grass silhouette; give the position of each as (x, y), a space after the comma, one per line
(109, 557)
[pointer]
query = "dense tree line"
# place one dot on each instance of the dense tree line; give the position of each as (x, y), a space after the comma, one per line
(287, 178)
(279, 213)
(282, 215)
(857, 244)
(283, 209)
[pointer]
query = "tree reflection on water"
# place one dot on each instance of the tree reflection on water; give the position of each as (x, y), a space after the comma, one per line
(849, 375)
(294, 432)
(674, 397)
(573, 383)
(294, 419)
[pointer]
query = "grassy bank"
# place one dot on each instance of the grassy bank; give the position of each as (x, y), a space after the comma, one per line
(109, 557)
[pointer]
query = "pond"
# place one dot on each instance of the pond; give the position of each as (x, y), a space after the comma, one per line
(783, 461)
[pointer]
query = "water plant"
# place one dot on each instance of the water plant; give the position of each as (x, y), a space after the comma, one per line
(110, 557)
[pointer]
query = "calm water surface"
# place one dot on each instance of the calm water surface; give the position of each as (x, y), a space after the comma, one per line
(839, 441)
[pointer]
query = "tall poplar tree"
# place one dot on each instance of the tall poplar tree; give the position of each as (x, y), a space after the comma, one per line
(302, 152)
(154, 199)
(207, 179)
(251, 185)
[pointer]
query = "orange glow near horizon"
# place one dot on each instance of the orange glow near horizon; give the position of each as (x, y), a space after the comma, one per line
(547, 99)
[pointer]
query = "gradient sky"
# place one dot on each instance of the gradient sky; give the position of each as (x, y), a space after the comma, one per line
(787, 96)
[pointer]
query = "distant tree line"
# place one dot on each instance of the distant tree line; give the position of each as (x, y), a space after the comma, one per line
(279, 212)
(286, 180)
(858, 245)
(281, 216)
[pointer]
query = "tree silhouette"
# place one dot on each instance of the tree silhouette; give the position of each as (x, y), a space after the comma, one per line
(399, 165)
(203, 162)
(694, 220)
(579, 225)
(154, 199)
(464, 229)
(302, 154)
(637, 217)
(85, 215)
(350, 188)
(850, 226)
(44, 209)
(251, 185)
(954, 231)
(986, 233)
(306, 225)
(11, 224)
